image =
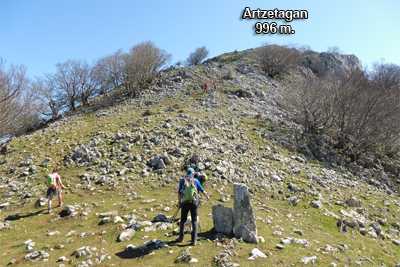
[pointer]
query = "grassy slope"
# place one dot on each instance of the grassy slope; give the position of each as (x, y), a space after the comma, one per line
(35, 223)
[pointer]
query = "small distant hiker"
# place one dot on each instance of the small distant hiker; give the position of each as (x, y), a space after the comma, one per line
(205, 88)
(214, 85)
(54, 185)
(187, 200)
(201, 177)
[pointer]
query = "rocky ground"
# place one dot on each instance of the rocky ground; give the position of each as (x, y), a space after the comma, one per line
(121, 166)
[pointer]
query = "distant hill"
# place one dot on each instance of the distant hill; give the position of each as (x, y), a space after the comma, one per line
(121, 160)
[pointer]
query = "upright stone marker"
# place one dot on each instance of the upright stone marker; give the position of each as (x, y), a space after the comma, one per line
(243, 214)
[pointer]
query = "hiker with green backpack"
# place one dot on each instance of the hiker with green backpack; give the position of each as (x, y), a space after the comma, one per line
(187, 200)
(54, 184)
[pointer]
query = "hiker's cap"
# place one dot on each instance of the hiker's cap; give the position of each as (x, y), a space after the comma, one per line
(190, 170)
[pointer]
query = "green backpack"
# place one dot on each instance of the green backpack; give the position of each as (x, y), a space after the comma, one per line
(51, 180)
(189, 190)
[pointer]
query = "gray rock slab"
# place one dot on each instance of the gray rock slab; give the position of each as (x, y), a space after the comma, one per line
(223, 219)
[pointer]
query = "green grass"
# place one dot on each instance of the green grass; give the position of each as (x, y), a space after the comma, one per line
(29, 224)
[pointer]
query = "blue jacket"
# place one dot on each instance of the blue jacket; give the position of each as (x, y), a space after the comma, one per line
(198, 185)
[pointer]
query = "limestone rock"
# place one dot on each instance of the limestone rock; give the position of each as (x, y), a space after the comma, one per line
(70, 209)
(41, 202)
(307, 260)
(317, 204)
(376, 227)
(243, 214)
(223, 219)
(126, 235)
(4, 225)
(257, 253)
(354, 202)
(248, 236)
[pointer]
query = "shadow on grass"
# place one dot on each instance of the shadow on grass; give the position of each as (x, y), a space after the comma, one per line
(18, 216)
(63, 213)
(143, 251)
(137, 253)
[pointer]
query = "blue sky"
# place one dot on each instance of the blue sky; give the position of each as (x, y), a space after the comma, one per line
(41, 33)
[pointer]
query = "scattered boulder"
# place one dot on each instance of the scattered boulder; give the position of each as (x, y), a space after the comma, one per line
(294, 201)
(256, 253)
(4, 225)
(126, 235)
(41, 202)
(307, 260)
(376, 227)
(69, 209)
(36, 254)
(161, 218)
(106, 220)
(317, 204)
(354, 202)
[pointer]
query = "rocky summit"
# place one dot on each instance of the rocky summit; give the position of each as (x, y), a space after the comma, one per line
(278, 197)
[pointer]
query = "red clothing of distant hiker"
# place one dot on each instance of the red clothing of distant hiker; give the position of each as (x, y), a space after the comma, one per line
(206, 87)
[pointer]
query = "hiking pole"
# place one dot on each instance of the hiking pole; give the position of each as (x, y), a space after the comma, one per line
(176, 213)
(62, 196)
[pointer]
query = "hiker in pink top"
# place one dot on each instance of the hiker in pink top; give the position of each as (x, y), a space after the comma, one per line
(55, 191)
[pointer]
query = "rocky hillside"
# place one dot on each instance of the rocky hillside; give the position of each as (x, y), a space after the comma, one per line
(121, 166)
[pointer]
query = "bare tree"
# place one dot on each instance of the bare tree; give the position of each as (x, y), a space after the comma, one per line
(276, 60)
(141, 65)
(196, 57)
(312, 99)
(359, 114)
(19, 109)
(66, 81)
(386, 75)
(334, 49)
(76, 80)
(52, 100)
(108, 71)
(304, 48)
(89, 85)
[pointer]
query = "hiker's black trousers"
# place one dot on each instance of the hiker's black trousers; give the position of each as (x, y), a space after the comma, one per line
(192, 207)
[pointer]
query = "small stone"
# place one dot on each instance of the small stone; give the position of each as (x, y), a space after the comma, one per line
(53, 233)
(307, 260)
(317, 204)
(277, 233)
(299, 232)
(257, 253)
(63, 258)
